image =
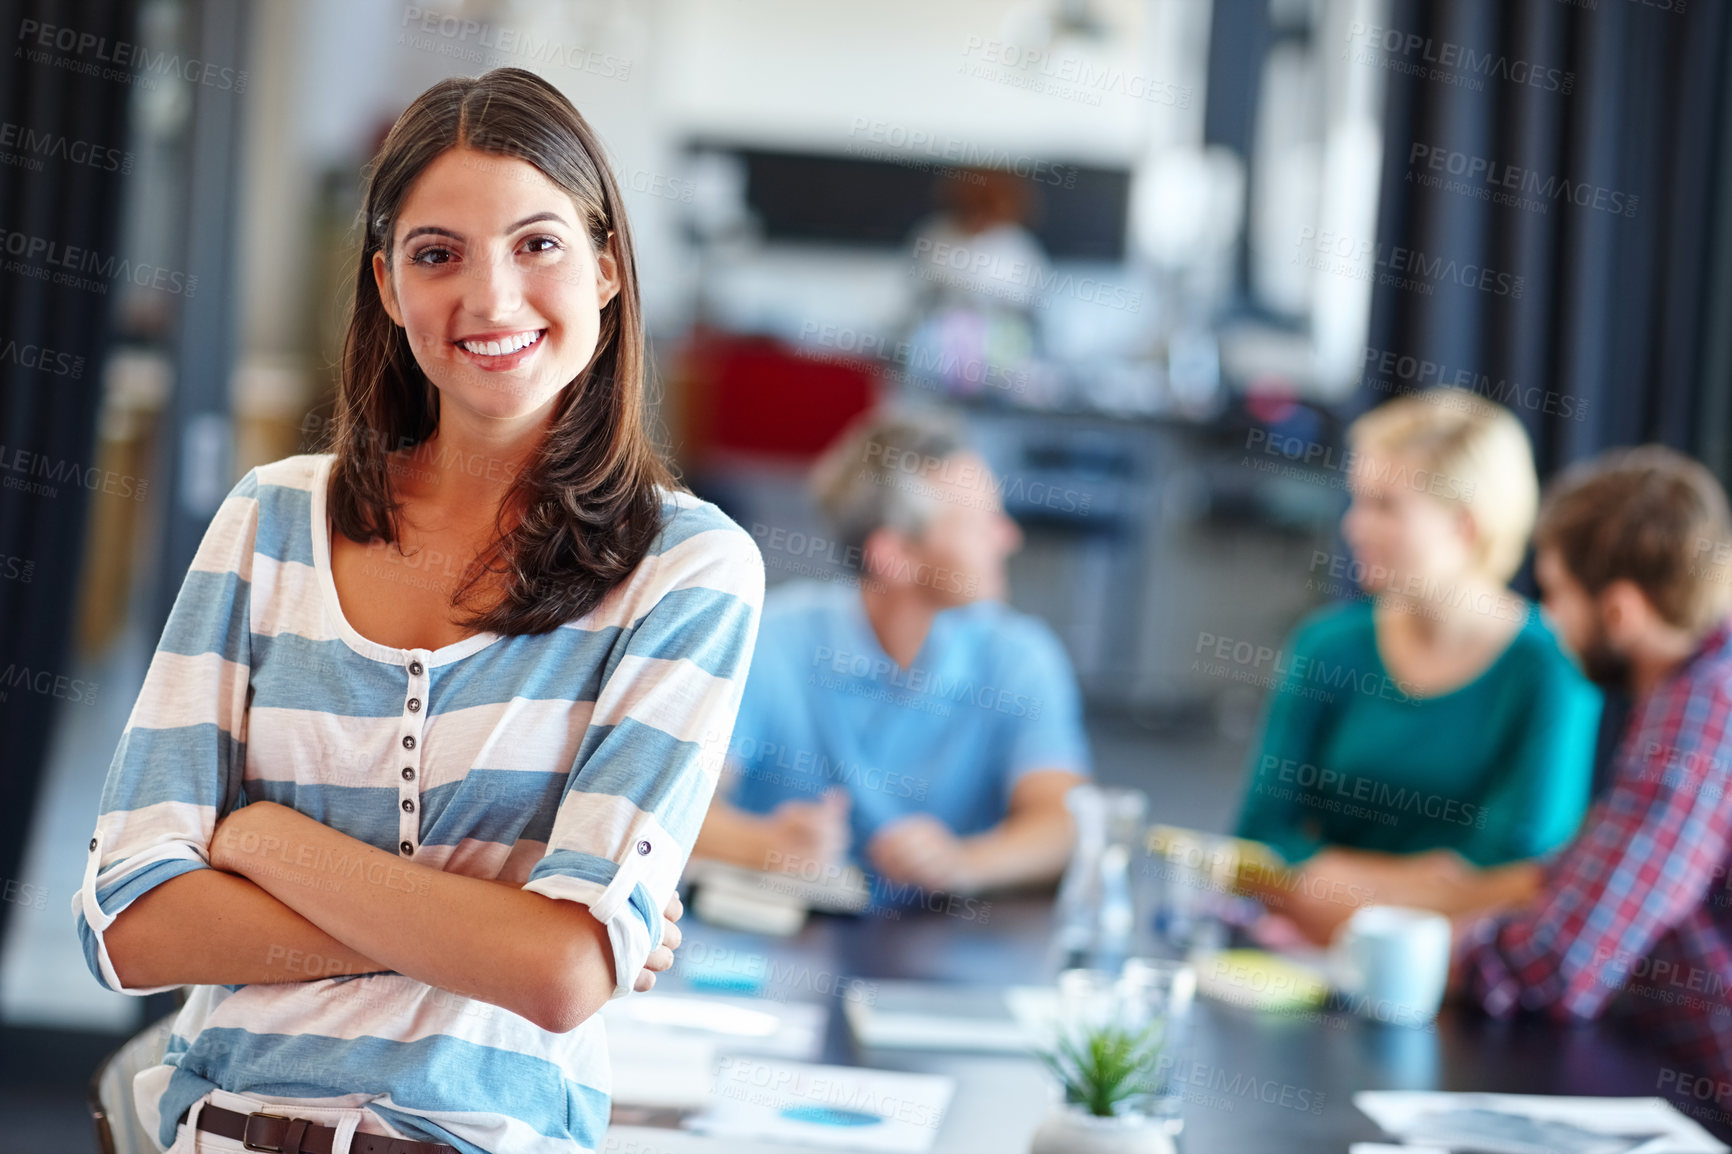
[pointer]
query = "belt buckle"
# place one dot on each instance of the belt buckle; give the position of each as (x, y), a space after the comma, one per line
(247, 1132)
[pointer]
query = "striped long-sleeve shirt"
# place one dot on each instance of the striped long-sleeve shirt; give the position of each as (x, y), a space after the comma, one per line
(576, 763)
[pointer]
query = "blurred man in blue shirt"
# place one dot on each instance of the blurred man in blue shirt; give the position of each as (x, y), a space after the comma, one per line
(910, 721)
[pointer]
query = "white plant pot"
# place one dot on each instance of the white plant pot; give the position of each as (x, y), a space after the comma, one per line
(1069, 1130)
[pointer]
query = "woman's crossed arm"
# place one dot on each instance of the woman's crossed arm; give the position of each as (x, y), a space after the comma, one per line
(302, 900)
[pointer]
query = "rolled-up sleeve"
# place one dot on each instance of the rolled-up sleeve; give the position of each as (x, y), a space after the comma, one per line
(180, 761)
(650, 760)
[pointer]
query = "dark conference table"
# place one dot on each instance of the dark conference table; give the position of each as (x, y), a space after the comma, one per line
(1246, 1064)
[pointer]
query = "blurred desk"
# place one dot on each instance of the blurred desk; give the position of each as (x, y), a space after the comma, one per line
(1257, 1082)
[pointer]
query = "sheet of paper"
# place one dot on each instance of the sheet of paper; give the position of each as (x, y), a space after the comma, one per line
(660, 1069)
(1661, 1127)
(844, 1107)
(932, 1016)
(731, 1025)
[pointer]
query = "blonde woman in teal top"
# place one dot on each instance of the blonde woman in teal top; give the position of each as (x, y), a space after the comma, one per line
(1433, 721)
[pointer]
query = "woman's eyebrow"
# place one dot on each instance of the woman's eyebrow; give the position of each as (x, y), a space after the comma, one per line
(440, 230)
(536, 219)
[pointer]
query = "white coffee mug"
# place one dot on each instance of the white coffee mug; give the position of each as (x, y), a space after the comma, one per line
(1392, 963)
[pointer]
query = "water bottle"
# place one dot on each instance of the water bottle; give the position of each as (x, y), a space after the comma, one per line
(1096, 915)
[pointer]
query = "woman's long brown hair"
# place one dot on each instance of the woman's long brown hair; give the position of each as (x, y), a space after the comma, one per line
(589, 496)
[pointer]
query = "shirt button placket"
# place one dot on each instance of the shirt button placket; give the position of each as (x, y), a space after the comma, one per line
(412, 747)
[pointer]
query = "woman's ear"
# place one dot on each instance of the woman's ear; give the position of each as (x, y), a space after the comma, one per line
(607, 282)
(387, 294)
(1469, 529)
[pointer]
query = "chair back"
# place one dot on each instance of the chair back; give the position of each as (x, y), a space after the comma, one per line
(118, 1130)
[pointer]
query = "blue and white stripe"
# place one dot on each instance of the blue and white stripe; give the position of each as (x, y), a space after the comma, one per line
(545, 760)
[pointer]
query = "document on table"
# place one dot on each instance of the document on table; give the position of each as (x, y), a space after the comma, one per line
(930, 1016)
(663, 1046)
(735, 1025)
(1532, 1124)
(845, 1107)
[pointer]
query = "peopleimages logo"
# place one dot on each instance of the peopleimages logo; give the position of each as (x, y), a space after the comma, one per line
(1070, 77)
(1388, 800)
(810, 770)
(24, 894)
(917, 681)
(41, 474)
(46, 683)
(472, 41)
(1388, 371)
(86, 53)
(1398, 266)
(1289, 671)
(55, 146)
(42, 359)
(794, 551)
(73, 260)
(1422, 592)
(892, 139)
(924, 474)
(1448, 62)
(1493, 180)
(989, 273)
(907, 361)
(1236, 1084)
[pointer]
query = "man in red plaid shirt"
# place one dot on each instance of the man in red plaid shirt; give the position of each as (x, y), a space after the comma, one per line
(1633, 554)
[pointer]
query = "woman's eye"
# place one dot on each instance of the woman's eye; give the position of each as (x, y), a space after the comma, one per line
(540, 244)
(432, 255)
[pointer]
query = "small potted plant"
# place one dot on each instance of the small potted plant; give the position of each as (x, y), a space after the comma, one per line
(1105, 1070)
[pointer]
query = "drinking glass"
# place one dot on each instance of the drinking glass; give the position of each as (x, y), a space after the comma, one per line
(1160, 992)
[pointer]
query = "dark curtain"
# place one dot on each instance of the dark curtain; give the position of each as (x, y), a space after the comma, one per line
(1619, 249)
(1239, 40)
(1618, 332)
(51, 202)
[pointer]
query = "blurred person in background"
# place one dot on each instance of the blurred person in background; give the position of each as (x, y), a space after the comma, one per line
(404, 829)
(981, 275)
(1633, 919)
(1435, 722)
(910, 720)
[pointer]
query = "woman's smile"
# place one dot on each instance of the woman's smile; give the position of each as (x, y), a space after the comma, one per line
(497, 353)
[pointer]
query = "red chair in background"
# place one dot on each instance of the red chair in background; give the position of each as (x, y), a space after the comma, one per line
(754, 402)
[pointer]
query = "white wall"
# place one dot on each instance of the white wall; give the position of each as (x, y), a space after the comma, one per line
(801, 73)
(819, 74)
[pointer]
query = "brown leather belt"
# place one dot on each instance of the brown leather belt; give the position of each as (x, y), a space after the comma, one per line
(282, 1135)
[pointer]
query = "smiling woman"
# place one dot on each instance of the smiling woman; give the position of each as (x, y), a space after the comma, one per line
(405, 827)
(499, 271)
